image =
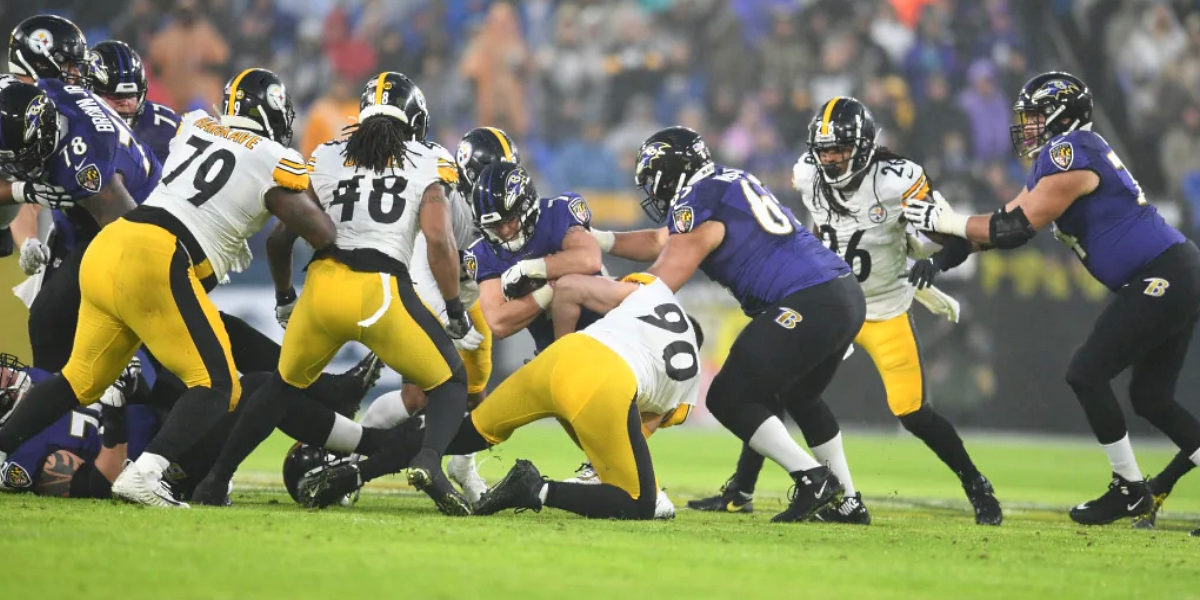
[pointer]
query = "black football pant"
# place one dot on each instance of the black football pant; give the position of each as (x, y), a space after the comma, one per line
(54, 314)
(1147, 326)
(786, 356)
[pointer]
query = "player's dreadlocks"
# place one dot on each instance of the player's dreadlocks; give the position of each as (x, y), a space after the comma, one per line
(823, 193)
(378, 143)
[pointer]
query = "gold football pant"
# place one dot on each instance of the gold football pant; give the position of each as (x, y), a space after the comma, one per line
(137, 285)
(339, 305)
(588, 387)
(478, 361)
(892, 344)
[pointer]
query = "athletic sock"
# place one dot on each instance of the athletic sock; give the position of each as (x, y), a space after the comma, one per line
(45, 403)
(259, 415)
(444, 410)
(773, 441)
(596, 501)
(749, 465)
(937, 433)
(386, 411)
(833, 456)
(1180, 464)
(1120, 455)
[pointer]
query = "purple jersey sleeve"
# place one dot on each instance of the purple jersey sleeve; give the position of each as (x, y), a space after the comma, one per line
(77, 431)
(155, 127)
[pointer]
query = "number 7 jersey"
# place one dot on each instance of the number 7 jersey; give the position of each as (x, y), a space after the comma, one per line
(215, 182)
(379, 211)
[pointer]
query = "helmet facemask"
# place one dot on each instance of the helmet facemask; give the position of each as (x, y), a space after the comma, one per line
(14, 384)
(526, 217)
(28, 163)
(857, 153)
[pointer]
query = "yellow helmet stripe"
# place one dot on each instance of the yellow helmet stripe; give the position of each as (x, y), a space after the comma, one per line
(828, 114)
(233, 90)
(503, 143)
(379, 88)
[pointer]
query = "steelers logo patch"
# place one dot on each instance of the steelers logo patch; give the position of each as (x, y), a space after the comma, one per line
(684, 218)
(877, 214)
(40, 42)
(580, 210)
(1062, 155)
(88, 178)
(15, 476)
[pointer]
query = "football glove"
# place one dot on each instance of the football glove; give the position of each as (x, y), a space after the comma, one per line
(458, 324)
(34, 256)
(922, 273)
(523, 278)
(42, 194)
(935, 215)
(285, 302)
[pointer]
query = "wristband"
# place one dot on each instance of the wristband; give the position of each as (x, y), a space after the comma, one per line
(952, 223)
(454, 308)
(285, 297)
(605, 239)
(534, 268)
(543, 296)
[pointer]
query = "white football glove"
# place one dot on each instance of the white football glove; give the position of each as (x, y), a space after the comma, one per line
(126, 384)
(284, 305)
(935, 215)
(34, 256)
(523, 278)
(470, 340)
(42, 194)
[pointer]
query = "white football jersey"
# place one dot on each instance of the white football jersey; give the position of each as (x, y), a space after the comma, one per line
(652, 333)
(422, 274)
(378, 211)
(872, 239)
(215, 181)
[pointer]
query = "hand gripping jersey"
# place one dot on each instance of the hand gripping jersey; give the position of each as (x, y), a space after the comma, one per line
(379, 211)
(95, 145)
(872, 239)
(215, 181)
(484, 261)
(155, 128)
(766, 254)
(652, 333)
(1112, 230)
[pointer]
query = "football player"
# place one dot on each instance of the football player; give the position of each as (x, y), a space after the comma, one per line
(120, 79)
(630, 372)
(1081, 190)
(805, 305)
(855, 191)
(146, 276)
(381, 185)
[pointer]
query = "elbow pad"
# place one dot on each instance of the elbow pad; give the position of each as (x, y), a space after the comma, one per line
(1008, 230)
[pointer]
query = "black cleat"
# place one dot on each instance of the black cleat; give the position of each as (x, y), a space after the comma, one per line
(1148, 520)
(813, 490)
(428, 477)
(1196, 532)
(1124, 498)
(983, 500)
(328, 484)
(731, 499)
(211, 492)
(850, 510)
(366, 371)
(519, 489)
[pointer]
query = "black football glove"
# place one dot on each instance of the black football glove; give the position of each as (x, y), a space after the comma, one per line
(922, 273)
(458, 323)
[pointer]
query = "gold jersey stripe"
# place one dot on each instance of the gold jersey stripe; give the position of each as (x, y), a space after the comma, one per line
(233, 90)
(291, 163)
(290, 180)
(915, 186)
(290, 169)
(639, 278)
(508, 156)
(447, 173)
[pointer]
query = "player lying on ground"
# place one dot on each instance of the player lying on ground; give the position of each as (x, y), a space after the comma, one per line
(855, 191)
(610, 384)
(1080, 189)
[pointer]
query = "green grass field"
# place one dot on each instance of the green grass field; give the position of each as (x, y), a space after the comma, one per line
(923, 543)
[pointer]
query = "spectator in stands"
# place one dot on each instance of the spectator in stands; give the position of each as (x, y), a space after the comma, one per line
(938, 116)
(1179, 154)
(497, 63)
(989, 112)
(189, 58)
(330, 113)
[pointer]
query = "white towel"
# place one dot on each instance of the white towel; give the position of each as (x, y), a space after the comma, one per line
(938, 302)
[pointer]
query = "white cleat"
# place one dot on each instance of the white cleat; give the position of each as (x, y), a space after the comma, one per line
(461, 470)
(664, 509)
(141, 487)
(584, 474)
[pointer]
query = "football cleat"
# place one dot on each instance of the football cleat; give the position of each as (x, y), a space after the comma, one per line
(731, 499)
(1196, 532)
(462, 471)
(664, 509)
(329, 484)
(427, 476)
(212, 492)
(813, 490)
(983, 500)
(1124, 498)
(367, 371)
(137, 486)
(584, 474)
(520, 489)
(1147, 521)
(850, 510)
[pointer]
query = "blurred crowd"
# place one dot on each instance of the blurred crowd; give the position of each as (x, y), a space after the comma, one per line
(580, 83)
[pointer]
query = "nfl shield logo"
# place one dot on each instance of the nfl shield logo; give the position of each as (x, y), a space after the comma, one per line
(1062, 155)
(88, 178)
(683, 218)
(579, 210)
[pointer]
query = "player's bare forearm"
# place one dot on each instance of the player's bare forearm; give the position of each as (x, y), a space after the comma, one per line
(110, 461)
(572, 293)
(110, 203)
(439, 239)
(684, 252)
(6, 195)
(302, 215)
(1047, 201)
(580, 254)
(505, 317)
(25, 226)
(643, 245)
(280, 243)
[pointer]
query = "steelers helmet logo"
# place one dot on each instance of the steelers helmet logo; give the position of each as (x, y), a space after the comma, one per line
(463, 155)
(276, 96)
(420, 98)
(40, 42)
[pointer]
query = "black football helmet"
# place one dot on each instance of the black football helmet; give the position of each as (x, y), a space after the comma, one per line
(395, 95)
(14, 384)
(50, 47)
(256, 99)
(302, 458)
(665, 163)
(1050, 104)
(119, 73)
(504, 193)
(28, 130)
(842, 122)
(479, 148)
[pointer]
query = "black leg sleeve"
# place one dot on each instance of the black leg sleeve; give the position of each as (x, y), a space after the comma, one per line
(259, 415)
(252, 351)
(44, 404)
(937, 433)
(444, 410)
(198, 410)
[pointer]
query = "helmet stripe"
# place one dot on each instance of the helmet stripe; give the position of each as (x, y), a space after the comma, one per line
(828, 114)
(379, 88)
(233, 89)
(503, 143)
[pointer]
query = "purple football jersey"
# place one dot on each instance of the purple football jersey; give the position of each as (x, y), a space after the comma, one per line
(155, 127)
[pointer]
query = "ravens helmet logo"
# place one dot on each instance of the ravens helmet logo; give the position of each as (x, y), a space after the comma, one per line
(514, 187)
(650, 152)
(33, 116)
(1055, 88)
